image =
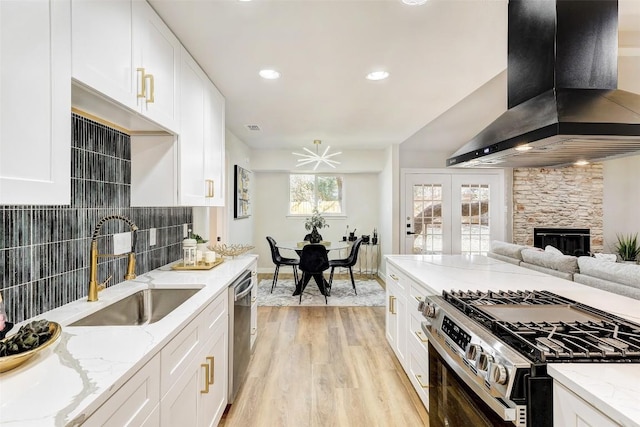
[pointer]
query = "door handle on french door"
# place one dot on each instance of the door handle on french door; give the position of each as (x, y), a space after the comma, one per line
(410, 233)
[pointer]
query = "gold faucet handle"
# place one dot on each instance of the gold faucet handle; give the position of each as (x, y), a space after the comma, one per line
(103, 285)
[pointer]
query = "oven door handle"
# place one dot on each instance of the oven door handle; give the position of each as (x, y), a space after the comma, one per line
(504, 412)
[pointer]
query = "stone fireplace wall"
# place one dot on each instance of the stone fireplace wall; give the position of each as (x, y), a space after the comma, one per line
(568, 197)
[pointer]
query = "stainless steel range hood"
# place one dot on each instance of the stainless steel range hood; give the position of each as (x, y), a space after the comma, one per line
(563, 101)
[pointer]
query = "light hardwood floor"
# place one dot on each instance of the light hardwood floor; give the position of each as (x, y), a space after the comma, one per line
(324, 366)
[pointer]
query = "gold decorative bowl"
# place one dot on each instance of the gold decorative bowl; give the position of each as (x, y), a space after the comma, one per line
(13, 361)
(231, 250)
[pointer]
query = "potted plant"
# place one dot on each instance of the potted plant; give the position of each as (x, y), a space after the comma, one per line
(313, 223)
(628, 247)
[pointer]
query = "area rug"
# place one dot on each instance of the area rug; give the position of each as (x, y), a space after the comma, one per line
(370, 294)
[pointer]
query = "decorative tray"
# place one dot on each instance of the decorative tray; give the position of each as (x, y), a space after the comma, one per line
(200, 266)
(14, 360)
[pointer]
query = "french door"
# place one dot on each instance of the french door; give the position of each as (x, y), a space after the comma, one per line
(452, 213)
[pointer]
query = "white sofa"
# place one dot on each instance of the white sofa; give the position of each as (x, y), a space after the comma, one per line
(616, 277)
(619, 278)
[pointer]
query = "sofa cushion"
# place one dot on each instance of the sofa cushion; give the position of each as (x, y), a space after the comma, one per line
(507, 249)
(564, 263)
(553, 250)
(627, 274)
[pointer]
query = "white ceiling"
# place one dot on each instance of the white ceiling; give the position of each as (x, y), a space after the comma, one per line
(437, 54)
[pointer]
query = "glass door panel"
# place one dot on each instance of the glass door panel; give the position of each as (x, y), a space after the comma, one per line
(426, 218)
(474, 219)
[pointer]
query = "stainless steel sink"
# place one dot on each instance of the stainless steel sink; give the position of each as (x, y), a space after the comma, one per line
(144, 307)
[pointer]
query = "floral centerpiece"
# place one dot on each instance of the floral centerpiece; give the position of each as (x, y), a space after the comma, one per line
(313, 223)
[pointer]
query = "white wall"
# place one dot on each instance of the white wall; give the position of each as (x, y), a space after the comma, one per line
(238, 230)
(621, 202)
(271, 200)
(389, 206)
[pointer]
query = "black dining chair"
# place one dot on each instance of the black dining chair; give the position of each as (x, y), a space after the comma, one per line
(279, 260)
(313, 262)
(347, 262)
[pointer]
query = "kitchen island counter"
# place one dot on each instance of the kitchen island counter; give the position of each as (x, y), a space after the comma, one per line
(89, 363)
(612, 388)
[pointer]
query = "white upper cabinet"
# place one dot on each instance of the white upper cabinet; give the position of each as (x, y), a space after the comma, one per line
(201, 140)
(193, 189)
(156, 58)
(214, 145)
(124, 51)
(103, 48)
(35, 102)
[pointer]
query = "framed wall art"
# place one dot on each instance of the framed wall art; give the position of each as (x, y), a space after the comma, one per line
(242, 206)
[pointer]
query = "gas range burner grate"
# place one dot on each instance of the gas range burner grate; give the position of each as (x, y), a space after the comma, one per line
(546, 327)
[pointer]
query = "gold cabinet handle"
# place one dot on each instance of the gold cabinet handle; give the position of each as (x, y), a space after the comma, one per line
(206, 378)
(212, 371)
(141, 92)
(420, 337)
(253, 331)
(393, 277)
(253, 273)
(209, 192)
(253, 299)
(419, 379)
(418, 298)
(151, 94)
(392, 305)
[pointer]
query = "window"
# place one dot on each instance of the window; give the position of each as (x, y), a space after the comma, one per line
(307, 192)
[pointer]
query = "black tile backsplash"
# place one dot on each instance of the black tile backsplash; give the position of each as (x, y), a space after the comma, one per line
(44, 250)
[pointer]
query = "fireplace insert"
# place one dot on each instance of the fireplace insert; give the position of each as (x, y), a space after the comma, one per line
(570, 241)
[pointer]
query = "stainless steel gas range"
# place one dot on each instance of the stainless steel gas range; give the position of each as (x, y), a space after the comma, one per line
(488, 353)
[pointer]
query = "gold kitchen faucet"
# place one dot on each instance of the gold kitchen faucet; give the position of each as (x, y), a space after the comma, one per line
(94, 286)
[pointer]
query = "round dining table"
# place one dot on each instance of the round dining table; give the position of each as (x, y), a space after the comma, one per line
(293, 245)
(297, 246)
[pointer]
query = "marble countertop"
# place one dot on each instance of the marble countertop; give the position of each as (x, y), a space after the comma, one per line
(612, 388)
(64, 385)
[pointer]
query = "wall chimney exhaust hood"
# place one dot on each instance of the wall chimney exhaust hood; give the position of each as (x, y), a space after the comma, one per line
(563, 101)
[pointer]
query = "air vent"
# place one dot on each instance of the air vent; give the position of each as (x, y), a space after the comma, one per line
(253, 127)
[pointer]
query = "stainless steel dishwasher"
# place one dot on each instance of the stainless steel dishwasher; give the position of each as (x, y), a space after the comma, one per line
(239, 331)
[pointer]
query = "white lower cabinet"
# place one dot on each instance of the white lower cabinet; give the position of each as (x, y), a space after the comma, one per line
(404, 331)
(254, 304)
(185, 384)
(195, 377)
(396, 315)
(418, 359)
(569, 410)
(134, 403)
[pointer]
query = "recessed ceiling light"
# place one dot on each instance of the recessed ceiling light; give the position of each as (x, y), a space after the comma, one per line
(269, 74)
(581, 163)
(377, 75)
(524, 147)
(414, 2)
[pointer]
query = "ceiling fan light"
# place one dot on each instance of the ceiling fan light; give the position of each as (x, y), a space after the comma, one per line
(269, 74)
